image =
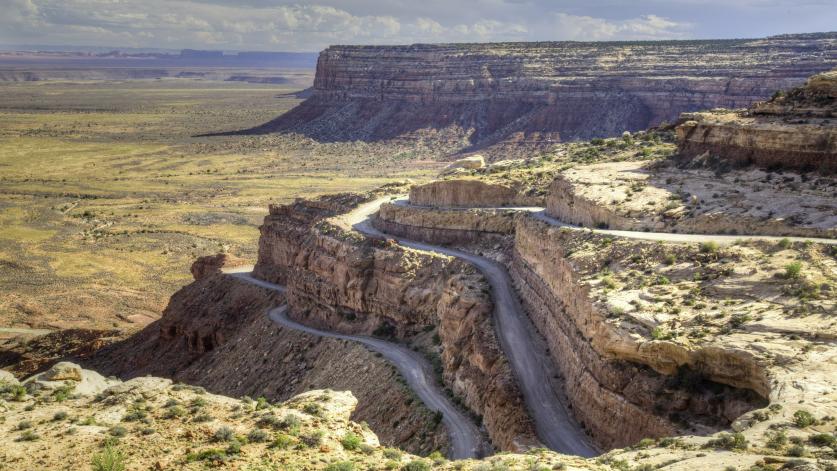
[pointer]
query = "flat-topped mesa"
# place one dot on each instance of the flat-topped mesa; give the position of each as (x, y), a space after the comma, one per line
(541, 92)
(794, 130)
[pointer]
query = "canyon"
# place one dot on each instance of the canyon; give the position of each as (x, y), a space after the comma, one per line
(512, 99)
(662, 299)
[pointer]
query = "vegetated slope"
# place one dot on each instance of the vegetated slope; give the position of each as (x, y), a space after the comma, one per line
(513, 97)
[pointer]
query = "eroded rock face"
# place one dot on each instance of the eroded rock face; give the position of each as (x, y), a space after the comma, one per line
(340, 281)
(657, 196)
(213, 264)
(487, 227)
(794, 130)
(469, 193)
(513, 96)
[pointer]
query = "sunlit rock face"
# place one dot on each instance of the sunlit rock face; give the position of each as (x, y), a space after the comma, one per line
(530, 94)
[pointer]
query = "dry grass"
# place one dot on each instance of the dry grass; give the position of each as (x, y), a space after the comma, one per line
(106, 195)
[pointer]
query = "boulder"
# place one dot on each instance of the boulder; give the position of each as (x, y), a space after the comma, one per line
(64, 371)
(7, 378)
(83, 382)
(468, 163)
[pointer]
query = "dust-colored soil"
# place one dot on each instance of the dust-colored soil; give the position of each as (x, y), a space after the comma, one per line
(107, 195)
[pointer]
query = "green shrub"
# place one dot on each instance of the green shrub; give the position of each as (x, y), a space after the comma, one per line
(60, 415)
(109, 459)
(708, 247)
(223, 434)
(392, 453)
(118, 431)
(291, 423)
(211, 454)
(312, 408)
(416, 465)
(793, 270)
(351, 441)
(784, 243)
(803, 418)
(738, 319)
(174, 412)
(312, 439)
(281, 442)
(28, 436)
(341, 466)
(645, 443)
(728, 441)
(233, 448)
(822, 439)
(796, 450)
(202, 417)
(23, 425)
(777, 440)
(257, 436)
(261, 403)
(670, 259)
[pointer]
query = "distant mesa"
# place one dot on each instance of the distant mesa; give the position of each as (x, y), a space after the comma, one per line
(507, 99)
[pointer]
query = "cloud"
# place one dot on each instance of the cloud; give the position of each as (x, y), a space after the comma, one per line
(294, 25)
(588, 28)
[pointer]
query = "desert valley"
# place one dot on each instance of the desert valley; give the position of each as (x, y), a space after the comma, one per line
(616, 255)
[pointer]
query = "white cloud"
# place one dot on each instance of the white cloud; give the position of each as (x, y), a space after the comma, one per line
(598, 29)
(303, 26)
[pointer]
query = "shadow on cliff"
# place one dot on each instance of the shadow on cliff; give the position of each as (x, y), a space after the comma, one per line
(471, 125)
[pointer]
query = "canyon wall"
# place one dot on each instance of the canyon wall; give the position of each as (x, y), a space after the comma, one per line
(215, 333)
(534, 94)
(465, 193)
(341, 281)
(620, 388)
(794, 130)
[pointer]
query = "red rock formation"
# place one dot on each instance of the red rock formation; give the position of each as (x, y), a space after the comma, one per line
(341, 281)
(213, 264)
(794, 130)
(538, 93)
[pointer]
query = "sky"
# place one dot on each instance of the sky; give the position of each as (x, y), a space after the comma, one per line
(279, 25)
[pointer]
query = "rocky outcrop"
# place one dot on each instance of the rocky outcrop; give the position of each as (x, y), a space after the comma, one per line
(213, 264)
(469, 193)
(621, 388)
(659, 197)
(215, 333)
(341, 281)
(513, 96)
(445, 226)
(795, 130)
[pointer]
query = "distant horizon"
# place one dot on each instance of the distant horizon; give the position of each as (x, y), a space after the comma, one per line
(70, 48)
(300, 26)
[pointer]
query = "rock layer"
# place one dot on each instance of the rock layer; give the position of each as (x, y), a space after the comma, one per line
(794, 130)
(539, 93)
(341, 281)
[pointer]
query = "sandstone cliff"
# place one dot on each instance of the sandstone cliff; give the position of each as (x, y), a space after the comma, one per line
(516, 96)
(794, 130)
(341, 281)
